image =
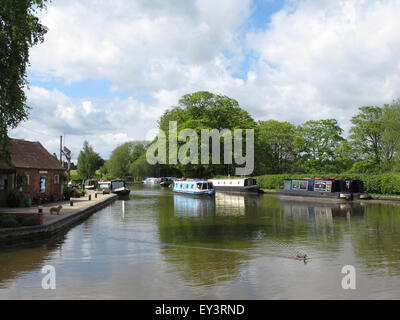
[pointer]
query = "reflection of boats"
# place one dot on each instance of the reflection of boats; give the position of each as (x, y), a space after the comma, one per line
(116, 186)
(229, 204)
(321, 212)
(328, 188)
(194, 187)
(192, 206)
(236, 185)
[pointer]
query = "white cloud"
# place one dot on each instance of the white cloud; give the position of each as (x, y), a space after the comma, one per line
(316, 59)
(140, 45)
(105, 124)
(326, 58)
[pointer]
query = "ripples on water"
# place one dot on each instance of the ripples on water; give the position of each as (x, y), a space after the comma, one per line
(159, 245)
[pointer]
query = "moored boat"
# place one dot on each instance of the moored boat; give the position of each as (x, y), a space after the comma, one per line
(356, 188)
(166, 182)
(90, 184)
(194, 187)
(116, 186)
(150, 180)
(328, 188)
(236, 185)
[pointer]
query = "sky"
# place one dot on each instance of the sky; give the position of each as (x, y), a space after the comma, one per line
(108, 70)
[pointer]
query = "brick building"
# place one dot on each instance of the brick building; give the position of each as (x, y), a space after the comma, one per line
(33, 170)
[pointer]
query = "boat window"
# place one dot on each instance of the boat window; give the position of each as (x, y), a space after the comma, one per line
(295, 184)
(117, 184)
(320, 186)
(287, 184)
(303, 185)
(210, 186)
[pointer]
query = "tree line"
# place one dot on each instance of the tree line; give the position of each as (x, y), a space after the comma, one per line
(316, 146)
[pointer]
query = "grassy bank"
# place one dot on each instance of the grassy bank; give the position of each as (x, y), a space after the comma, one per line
(380, 184)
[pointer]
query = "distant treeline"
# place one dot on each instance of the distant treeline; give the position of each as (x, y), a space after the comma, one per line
(372, 146)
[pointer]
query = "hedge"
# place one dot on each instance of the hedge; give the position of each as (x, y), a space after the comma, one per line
(387, 183)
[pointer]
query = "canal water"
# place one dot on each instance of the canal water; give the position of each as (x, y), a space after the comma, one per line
(159, 245)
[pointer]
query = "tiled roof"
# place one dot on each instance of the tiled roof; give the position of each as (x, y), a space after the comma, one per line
(5, 167)
(32, 155)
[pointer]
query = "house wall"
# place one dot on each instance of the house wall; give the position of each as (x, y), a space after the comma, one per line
(6, 183)
(33, 187)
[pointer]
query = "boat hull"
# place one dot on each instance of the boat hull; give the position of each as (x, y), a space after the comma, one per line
(204, 193)
(315, 194)
(239, 189)
(121, 191)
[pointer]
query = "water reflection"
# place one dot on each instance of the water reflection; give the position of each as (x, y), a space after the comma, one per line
(234, 246)
(190, 206)
(228, 204)
(15, 261)
(322, 213)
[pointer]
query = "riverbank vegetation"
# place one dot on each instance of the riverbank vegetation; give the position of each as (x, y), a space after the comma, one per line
(369, 151)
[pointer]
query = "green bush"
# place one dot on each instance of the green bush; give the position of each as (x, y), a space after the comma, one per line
(390, 184)
(14, 198)
(8, 221)
(372, 183)
(30, 222)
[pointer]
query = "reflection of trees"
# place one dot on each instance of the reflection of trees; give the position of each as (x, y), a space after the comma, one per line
(200, 222)
(377, 239)
(193, 225)
(14, 261)
(204, 267)
(193, 220)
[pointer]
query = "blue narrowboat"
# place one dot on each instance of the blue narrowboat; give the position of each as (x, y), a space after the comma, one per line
(194, 187)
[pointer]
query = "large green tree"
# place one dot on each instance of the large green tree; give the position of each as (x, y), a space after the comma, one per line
(274, 146)
(20, 29)
(367, 133)
(88, 161)
(204, 110)
(123, 156)
(316, 144)
(391, 134)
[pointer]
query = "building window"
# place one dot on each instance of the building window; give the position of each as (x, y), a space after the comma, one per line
(57, 179)
(3, 181)
(27, 180)
(42, 185)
